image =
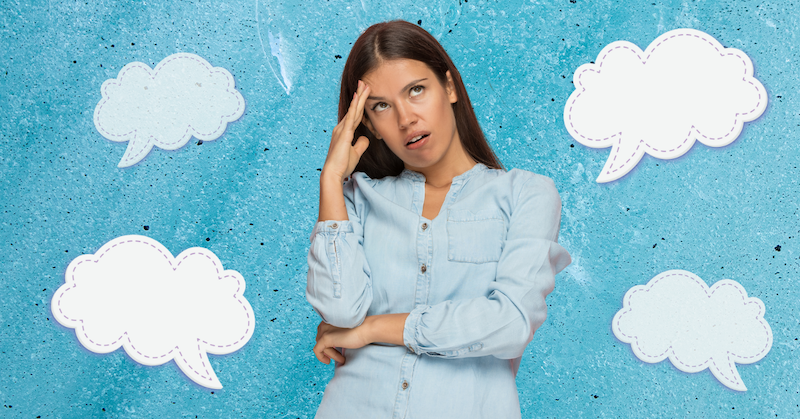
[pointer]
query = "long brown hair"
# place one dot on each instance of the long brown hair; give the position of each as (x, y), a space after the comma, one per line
(399, 39)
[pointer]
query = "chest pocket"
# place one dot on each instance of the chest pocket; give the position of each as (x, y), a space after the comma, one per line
(475, 237)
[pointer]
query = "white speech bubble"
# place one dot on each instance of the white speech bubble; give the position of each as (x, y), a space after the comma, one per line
(183, 96)
(684, 87)
(133, 293)
(677, 316)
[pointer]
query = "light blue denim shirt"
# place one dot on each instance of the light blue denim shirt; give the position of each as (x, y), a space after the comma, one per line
(474, 280)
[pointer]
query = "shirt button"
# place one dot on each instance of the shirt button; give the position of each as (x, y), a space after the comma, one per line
(423, 268)
(405, 384)
(334, 225)
(424, 226)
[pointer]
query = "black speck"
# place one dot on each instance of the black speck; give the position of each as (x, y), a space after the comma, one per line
(595, 395)
(778, 248)
(146, 228)
(419, 22)
(112, 45)
(199, 142)
(654, 246)
(208, 239)
(273, 319)
(132, 44)
(572, 145)
(74, 62)
(337, 56)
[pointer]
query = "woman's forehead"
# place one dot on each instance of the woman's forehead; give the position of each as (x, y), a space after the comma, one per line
(392, 75)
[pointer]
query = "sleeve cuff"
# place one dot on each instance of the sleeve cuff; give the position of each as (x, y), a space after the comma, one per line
(331, 227)
(410, 329)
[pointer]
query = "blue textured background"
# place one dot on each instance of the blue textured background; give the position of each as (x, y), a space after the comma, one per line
(251, 196)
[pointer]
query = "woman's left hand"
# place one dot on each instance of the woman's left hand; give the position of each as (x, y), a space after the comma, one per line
(331, 337)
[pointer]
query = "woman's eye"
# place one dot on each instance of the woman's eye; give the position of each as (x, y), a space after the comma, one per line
(379, 106)
(416, 90)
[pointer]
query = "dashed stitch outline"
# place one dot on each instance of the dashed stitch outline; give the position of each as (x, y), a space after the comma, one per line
(709, 292)
(644, 61)
(170, 259)
(187, 135)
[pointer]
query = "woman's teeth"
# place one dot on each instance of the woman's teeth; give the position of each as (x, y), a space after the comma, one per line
(415, 139)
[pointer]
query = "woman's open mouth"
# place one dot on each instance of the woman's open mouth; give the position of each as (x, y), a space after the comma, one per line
(417, 141)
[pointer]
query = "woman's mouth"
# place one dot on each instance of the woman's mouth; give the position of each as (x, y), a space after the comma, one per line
(417, 141)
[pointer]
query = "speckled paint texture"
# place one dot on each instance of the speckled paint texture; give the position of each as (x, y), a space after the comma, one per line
(250, 196)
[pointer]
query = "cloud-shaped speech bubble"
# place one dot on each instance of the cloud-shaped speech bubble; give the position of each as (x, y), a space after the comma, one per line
(684, 87)
(133, 293)
(677, 316)
(183, 96)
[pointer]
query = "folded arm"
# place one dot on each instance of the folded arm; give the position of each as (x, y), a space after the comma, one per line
(503, 322)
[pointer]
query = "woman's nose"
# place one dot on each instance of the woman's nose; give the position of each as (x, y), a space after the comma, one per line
(405, 116)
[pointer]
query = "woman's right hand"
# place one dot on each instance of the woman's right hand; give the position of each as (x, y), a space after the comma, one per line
(342, 154)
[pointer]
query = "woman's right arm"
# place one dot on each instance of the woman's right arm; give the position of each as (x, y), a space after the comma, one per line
(339, 285)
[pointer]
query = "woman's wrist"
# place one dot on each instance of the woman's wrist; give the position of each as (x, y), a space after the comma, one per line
(331, 176)
(331, 198)
(384, 328)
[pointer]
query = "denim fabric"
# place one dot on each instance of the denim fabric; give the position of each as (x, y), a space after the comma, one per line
(474, 280)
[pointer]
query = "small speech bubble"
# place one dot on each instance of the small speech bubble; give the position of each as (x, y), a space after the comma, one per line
(183, 96)
(677, 316)
(684, 87)
(133, 293)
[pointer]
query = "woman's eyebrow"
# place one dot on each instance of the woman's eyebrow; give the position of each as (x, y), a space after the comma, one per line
(406, 87)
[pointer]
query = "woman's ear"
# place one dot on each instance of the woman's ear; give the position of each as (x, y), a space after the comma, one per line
(450, 88)
(367, 123)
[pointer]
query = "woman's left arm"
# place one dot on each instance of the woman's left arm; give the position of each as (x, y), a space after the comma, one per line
(503, 322)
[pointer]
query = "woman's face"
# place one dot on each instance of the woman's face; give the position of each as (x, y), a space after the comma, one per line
(410, 110)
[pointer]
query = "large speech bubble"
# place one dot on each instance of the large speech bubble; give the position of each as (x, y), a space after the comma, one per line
(133, 293)
(183, 96)
(677, 316)
(684, 87)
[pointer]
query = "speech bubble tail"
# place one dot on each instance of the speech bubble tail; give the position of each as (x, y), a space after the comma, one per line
(135, 152)
(727, 374)
(625, 154)
(192, 359)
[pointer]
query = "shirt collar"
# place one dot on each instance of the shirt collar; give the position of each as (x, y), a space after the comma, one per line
(416, 176)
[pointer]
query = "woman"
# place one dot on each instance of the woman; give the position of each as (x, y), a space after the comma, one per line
(430, 265)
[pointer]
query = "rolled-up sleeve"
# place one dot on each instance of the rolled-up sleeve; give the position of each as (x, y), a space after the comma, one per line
(503, 322)
(339, 286)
